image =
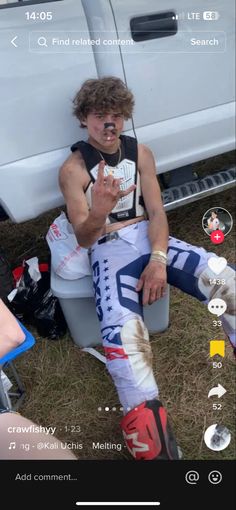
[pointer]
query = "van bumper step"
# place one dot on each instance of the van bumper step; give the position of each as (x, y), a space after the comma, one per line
(177, 196)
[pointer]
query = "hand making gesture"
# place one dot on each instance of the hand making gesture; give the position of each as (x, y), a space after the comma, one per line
(106, 191)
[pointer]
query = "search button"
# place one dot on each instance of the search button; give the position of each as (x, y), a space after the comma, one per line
(192, 477)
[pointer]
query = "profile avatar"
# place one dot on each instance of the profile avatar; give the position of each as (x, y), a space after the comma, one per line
(217, 437)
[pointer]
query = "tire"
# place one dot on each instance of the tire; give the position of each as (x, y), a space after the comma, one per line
(6, 278)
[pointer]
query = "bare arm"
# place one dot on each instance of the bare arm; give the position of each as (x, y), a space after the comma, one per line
(154, 277)
(158, 225)
(87, 226)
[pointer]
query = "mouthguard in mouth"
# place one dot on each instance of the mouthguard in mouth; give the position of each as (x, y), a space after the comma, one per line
(109, 125)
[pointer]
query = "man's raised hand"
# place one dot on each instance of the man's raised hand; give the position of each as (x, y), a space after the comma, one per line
(106, 192)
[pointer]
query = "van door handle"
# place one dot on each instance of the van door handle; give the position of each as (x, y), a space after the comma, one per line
(153, 26)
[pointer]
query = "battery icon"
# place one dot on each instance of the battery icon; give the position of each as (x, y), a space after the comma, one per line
(211, 15)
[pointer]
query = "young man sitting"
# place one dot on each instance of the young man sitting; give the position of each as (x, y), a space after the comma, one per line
(114, 204)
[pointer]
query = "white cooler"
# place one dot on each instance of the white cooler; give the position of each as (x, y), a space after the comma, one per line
(78, 305)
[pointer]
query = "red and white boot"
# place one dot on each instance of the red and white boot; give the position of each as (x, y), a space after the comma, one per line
(147, 433)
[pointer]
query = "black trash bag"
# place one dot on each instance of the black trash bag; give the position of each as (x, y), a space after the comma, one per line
(49, 318)
(29, 295)
(34, 304)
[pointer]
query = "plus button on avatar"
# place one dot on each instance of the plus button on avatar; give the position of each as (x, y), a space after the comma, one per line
(217, 237)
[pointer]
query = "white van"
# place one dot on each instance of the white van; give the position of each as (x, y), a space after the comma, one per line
(179, 64)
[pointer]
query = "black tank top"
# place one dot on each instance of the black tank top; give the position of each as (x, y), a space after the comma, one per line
(130, 206)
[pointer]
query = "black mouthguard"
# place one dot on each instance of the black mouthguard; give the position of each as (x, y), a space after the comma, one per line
(109, 125)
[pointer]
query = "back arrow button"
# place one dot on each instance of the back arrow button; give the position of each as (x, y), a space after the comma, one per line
(13, 41)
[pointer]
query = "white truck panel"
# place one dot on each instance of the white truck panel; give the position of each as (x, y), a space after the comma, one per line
(37, 89)
(33, 187)
(168, 76)
(181, 141)
(184, 100)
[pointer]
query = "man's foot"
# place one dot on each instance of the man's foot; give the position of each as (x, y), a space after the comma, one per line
(147, 433)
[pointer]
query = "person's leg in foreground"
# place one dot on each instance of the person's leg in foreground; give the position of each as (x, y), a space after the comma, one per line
(11, 334)
(22, 439)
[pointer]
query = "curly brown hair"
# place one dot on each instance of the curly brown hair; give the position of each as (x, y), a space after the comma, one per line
(103, 95)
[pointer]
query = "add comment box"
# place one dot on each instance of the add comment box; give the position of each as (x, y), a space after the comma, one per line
(75, 41)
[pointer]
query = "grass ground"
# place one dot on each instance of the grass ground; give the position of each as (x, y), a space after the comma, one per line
(65, 386)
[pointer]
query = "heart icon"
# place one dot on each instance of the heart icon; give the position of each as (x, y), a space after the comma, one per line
(217, 264)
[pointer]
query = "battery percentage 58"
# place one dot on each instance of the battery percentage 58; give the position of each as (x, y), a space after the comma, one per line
(211, 15)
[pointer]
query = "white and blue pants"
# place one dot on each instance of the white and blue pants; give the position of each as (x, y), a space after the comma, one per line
(118, 261)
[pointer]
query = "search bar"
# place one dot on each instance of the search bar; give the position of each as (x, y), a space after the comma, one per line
(73, 41)
(70, 42)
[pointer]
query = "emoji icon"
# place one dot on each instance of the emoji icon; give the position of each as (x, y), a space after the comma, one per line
(217, 306)
(217, 347)
(215, 477)
(217, 264)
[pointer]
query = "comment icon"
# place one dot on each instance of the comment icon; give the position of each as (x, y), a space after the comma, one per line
(217, 306)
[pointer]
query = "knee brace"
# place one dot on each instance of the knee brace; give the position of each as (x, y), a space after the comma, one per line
(225, 292)
(147, 433)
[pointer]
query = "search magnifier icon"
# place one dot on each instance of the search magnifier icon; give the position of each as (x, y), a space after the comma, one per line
(42, 41)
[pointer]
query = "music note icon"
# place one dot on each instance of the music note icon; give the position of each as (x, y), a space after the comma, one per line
(12, 446)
